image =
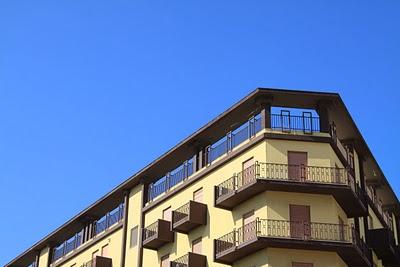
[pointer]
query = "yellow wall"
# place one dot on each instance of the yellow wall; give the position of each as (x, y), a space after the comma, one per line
(222, 221)
(285, 257)
(319, 154)
(114, 242)
(323, 208)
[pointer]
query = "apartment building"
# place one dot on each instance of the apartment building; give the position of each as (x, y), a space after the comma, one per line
(283, 178)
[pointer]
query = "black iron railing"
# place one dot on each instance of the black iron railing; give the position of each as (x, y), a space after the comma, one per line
(290, 230)
(285, 172)
(181, 261)
(287, 123)
(91, 263)
(150, 231)
(378, 207)
(181, 213)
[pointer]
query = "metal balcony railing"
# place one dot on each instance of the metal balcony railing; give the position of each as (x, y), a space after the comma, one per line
(285, 172)
(212, 152)
(287, 123)
(150, 231)
(378, 206)
(100, 225)
(181, 213)
(181, 261)
(291, 230)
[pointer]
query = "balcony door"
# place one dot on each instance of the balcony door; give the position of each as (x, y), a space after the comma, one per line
(248, 171)
(300, 222)
(249, 226)
(297, 162)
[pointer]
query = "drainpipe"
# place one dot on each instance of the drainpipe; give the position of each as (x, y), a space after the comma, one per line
(124, 227)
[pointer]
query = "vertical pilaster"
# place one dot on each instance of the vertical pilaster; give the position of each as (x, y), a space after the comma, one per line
(37, 258)
(124, 228)
(50, 255)
(324, 118)
(265, 115)
(195, 163)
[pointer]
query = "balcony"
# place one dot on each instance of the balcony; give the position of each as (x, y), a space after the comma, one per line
(383, 243)
(189, 216)
(292, 178)
(98, 262)
(376, 206)
(190, 260)
(262, 233)
(157, 235)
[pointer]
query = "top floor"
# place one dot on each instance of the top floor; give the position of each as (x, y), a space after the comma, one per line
(295, 115)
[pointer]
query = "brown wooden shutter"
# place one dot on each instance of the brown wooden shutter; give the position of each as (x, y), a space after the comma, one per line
(297, 162)
(198, 195)
(165, 261)
(249, 226)
(248, 171)
(197, 246)
(167, 214)
(300, 223)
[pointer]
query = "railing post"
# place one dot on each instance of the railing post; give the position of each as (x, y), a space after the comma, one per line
(207, 153)
(167, 181)
(265, 112)
(185, 170)
(323, 112)
(257, 170)
(64, 248)
(229, 144)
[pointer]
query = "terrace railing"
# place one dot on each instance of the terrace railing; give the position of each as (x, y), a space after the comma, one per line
(100, 225)
(289, 123)
(290, 230)
(212, 152)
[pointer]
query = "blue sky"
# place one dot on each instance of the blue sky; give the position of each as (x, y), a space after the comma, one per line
(92, 91)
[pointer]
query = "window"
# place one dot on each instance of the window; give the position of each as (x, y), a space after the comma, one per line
(167, 214)
(134, 237)
(165, 261)
(104, 251)
(198, 195)
(196, 246)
